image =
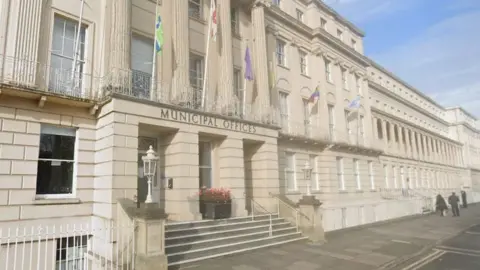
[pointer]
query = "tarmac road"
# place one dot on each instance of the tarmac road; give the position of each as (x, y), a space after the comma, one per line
(461, 252)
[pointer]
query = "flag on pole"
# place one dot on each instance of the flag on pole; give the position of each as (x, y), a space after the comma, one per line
(158, 34)
(248, 66)
(213, 18)
(315, 95)
(355, 104)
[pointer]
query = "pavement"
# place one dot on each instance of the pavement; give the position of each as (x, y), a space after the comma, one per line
(405, 244)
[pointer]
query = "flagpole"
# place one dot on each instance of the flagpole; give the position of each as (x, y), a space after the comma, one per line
(206, 55)
(154, 60)
(77, 41)
(244, 94)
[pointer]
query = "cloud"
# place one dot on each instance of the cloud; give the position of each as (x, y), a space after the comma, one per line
(443, 61)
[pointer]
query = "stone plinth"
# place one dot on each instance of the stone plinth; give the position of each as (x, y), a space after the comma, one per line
(310, 221)
(149, 235)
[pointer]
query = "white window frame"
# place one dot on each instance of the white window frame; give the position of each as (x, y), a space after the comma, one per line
(385, 172)
(73, 245)
(340, 34)
(371, 175)
(314, 180)
(340, 173)
(402, 177)
(300, 15)
(394, 174)
(291, 171)
(211, 165)
(280, 52)
(347, 123)
(284, 109)
(328, 71)
(67, 131)
(331, 120)
(196, 83)
(323, 24)
(344, 78)
(65, 73)
(197, 5)
(303, 58)
(358, 180)
(359, 84)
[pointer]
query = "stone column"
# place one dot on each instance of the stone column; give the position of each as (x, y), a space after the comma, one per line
(430, 144)
(262, 99)
(232, 173)
(401, 146)
(181, 50)
(375, 128)
(424, 142)
(384, 134)
(226, 59)
(414, 144)
(444, 152)
(20, 34)
(409, 143)
(120, 41)
(393, 144)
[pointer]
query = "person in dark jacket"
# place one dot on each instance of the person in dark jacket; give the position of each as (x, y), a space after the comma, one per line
(453, 201)
(464, 198)
(441, 205)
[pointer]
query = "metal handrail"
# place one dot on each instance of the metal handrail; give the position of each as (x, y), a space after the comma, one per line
(270, 228)
(297, 212)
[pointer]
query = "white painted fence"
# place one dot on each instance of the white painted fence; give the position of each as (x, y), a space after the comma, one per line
(67, 247)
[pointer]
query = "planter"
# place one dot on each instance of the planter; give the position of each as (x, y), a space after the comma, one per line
(217, 210)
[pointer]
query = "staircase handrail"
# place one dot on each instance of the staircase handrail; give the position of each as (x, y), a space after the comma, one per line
(270, 228)
(297, 212)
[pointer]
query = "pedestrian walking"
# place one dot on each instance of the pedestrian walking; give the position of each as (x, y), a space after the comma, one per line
(464, 198)
(453, 200)
(441, 205)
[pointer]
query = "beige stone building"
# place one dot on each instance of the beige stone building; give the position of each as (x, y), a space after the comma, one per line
(71, 142)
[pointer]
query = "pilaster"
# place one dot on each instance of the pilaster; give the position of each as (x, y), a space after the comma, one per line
(401, 145)
(384, 134)
(120, 35)
(424, 147)
(226, 58)
(393, 144)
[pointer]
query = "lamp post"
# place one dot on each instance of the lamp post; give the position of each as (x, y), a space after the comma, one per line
(149, 169)
(307, 171)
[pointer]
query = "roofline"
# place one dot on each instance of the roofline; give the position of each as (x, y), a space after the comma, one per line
(462, 109)
(339, 17)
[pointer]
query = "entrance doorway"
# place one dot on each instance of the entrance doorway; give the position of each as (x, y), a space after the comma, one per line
(205, 170)
(249, 150)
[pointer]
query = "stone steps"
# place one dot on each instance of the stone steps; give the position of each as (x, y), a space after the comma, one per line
(189, 242)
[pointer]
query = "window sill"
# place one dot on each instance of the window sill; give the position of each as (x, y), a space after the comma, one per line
(42, 201)
(342, 191)
(284, 67)
(293, 192)
(359, 191)
(330, 82)
(198, 19)
(305, 75)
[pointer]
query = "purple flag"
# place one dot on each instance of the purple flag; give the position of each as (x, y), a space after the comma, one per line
(248, 66)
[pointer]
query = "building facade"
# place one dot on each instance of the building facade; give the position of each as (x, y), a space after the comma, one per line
(74, 126)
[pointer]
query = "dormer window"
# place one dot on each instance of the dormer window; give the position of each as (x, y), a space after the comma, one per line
(340, 34)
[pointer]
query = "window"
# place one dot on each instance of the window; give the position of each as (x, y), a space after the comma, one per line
(323, 23)
(306, 117)
(238, 88)
(328, 70)
(141, 65)
(402, 177)
(290, 171)
(276, 2)
(331, 121)
(340, 176)
(280, 52)
(196, 79)
(284, 109)
(347, 123)
(339, 34)
(56, 161)
(303, 63)
(354, 44)
(371, 175)
(344, 78)
(385, 172)
(70, 252)
(299, 15)
(194, 8)
(356, 166)
(63, 54)
(394, 174)
(205, 163)
(315, 177)
(235, 21)
(358, 82)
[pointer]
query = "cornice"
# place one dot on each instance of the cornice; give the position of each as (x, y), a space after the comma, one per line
(337, 16)
(466, 124)
(405, 102)
(410, 124)
(310, 33)
(463, 110)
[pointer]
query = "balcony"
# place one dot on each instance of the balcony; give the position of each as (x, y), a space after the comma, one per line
(31, 79)
(304, 131)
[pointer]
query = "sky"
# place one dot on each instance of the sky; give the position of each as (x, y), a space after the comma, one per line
(434, 45)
